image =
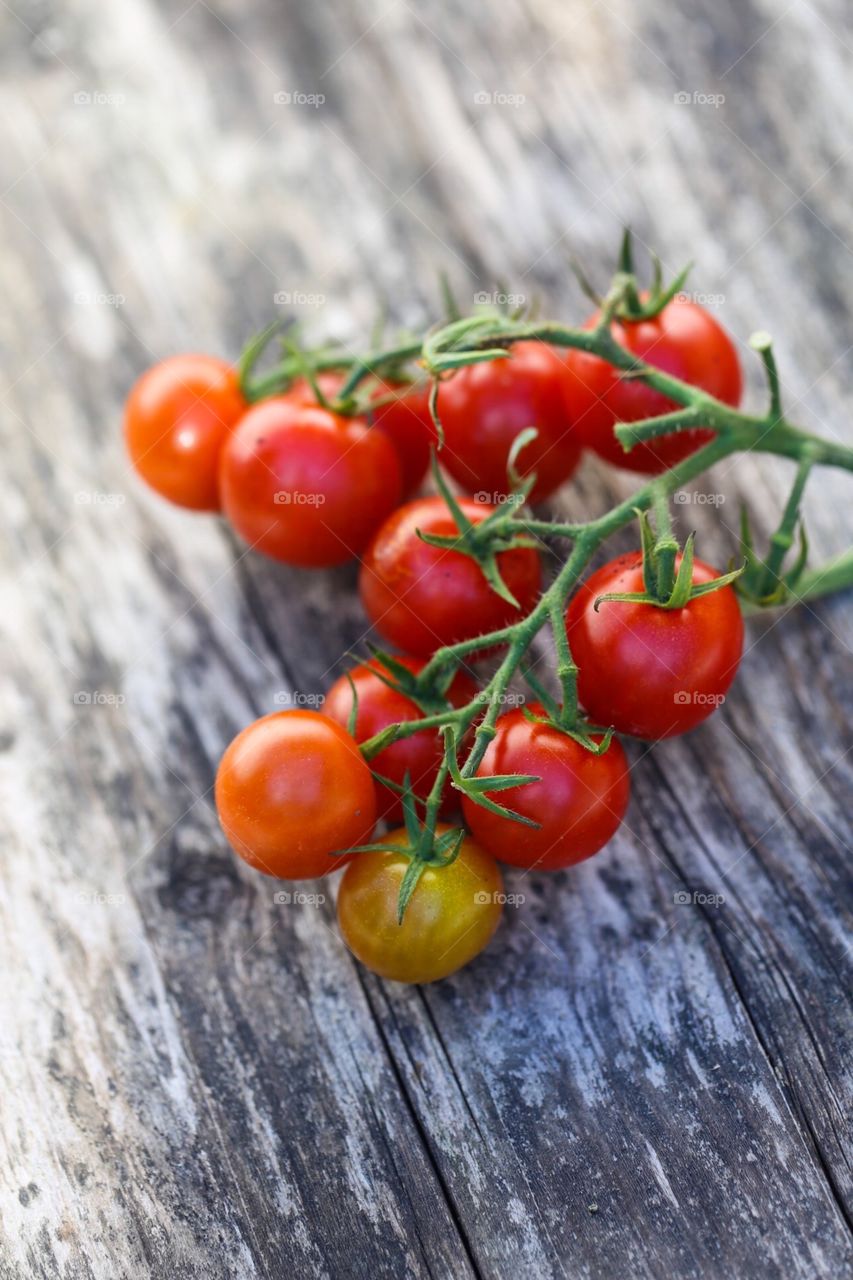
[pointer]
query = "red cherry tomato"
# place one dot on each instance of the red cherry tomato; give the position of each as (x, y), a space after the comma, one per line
(305, 485)
(483, 407)
(405, 418)
(329, 382)
(579, 802)
(177, 417)
(683, 340)
(450, 918)
(401, 413)
(379, 706)
(647, 671)
(291, 789)
(420, 597)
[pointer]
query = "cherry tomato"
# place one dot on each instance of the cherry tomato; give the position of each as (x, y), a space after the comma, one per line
(647, 671)
(291, 789)
(378, 706)
(683, 340)
(483, 407)
(305, 485)
(301, 391)
(176, 420)
(450, 917)
(401, 413)
(420, 597)
(406, 420)
(579, 802)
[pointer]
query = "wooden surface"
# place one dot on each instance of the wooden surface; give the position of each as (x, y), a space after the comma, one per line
(196, 1079)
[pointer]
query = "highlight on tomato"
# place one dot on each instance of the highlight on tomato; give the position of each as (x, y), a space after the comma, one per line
(420, 597)
(177, 417)
(684, 340)
(576, 806)
(450, 917)
(418, 756)
(291, 790)
(649, 671)
(306, 485)
(484, 407)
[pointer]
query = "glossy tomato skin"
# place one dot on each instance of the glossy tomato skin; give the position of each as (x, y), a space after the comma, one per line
(684, 340)
(579, 803)
(450, 918)
(305, 485)
(379, 706)
(300, 390)
(651, 672)
(483, 407)
(406, 420)
(177, 417)
(290, 790)
(401, 413)
(420, 597)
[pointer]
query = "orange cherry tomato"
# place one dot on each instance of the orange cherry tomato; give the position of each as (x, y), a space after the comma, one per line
(291, 789)
(177, 418)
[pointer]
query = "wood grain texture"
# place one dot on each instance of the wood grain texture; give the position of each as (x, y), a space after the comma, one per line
(196, 1078)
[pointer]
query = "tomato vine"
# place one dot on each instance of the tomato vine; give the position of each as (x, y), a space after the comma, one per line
(487, 337)
(325, 402)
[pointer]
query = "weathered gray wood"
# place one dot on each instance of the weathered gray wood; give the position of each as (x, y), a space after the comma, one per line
(196, 1079)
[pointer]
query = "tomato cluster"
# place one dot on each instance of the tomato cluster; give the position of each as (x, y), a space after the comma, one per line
(309, 481)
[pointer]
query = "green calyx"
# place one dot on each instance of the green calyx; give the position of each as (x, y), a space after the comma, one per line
(760, 585)
(766, 583)
(424, 846)
(566, 720)
(427, 690)
(475, 788)
(484, 541)
(624, 301)
(668, 583)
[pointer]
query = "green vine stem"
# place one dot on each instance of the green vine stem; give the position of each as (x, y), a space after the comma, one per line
(735, 432)
(491, 336)
(835, 575)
